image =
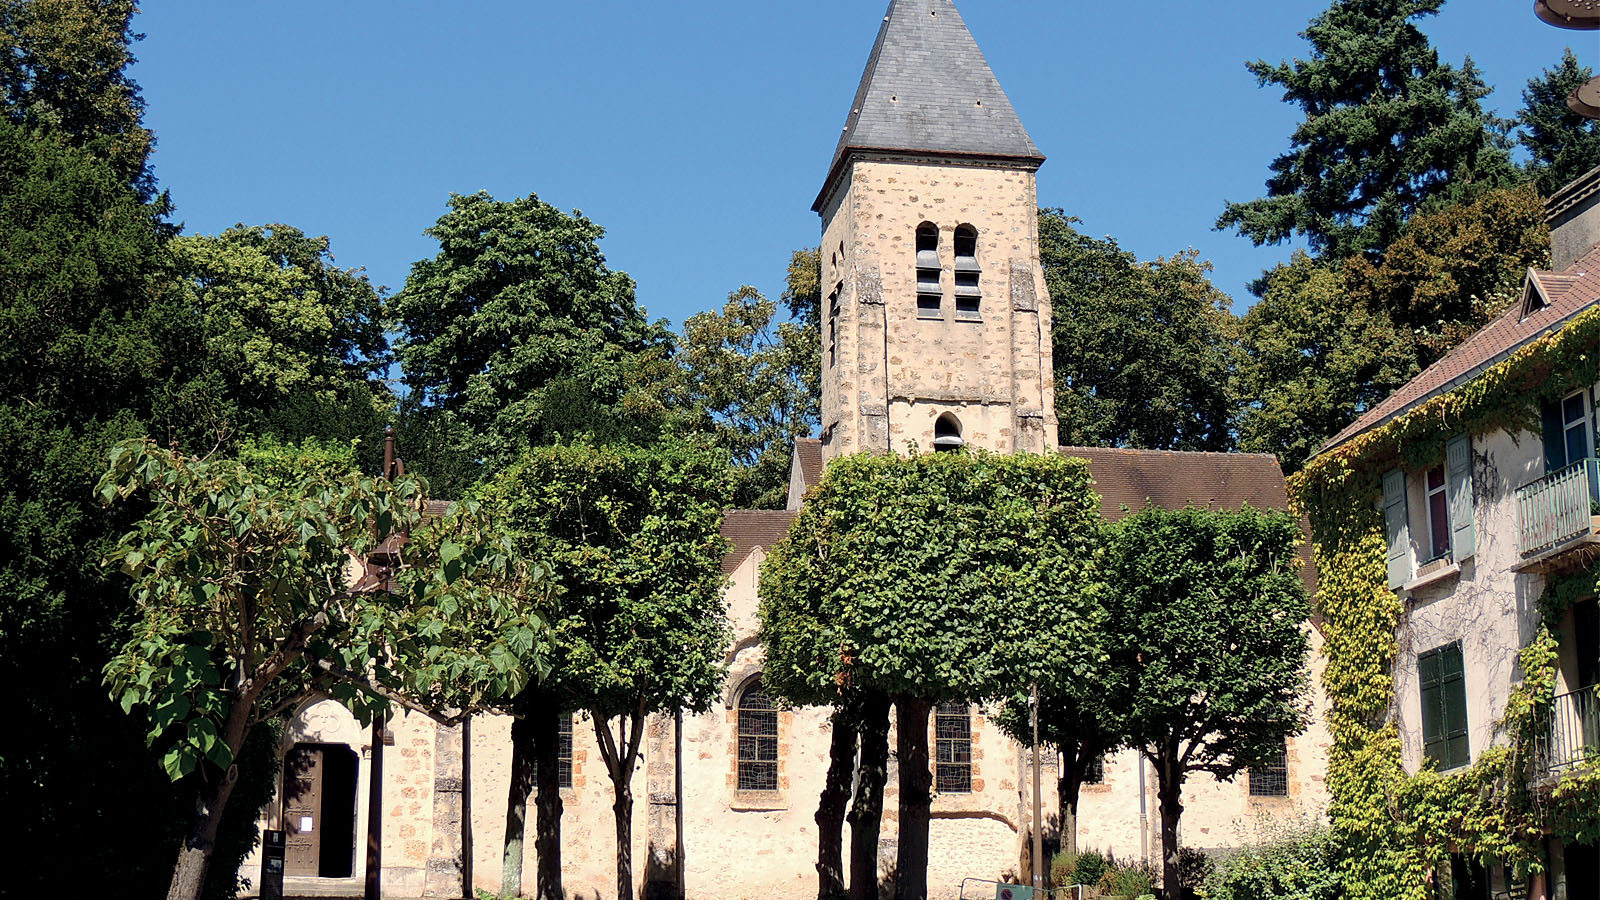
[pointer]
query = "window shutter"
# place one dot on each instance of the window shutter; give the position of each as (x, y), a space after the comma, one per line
(1453, 686)
(1458, 467)
(1395, 524)
(1433, 745)
(1555, 440)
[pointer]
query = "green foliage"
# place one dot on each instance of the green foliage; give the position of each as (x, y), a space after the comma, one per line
(632, 539)
(1297, 864)
(518, 328)
(278, 320)
(746, 383)
(1329, 341)
(1141, 350)
(1388, 129)
(242, 607)
(1561, 144)
(1186, 590)
(940, 576)
(1086, 867)
(63, 71)
(1127, 881)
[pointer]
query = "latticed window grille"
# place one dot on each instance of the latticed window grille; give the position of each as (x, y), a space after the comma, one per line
(952, 739)
(564, 749)
(1095, 773)
(758, 740)
(1271, 778)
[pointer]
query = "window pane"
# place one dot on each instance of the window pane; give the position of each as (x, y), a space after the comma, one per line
(564, 749)
(758, 741)
(1271, 778)
(1439, 523)
(952, 769)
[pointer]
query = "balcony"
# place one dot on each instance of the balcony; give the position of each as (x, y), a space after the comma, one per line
(1557, 513)
(1574, 730)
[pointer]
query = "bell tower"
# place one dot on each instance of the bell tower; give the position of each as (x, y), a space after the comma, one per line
(935, 317)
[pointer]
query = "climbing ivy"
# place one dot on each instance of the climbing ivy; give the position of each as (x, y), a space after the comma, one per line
(1395, 828)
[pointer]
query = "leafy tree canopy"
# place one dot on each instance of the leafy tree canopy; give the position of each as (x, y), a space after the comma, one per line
(63, 70)
(1562, 144)
(746, 381)
(946, 576)
(1387, 129)
(519, 328)
(1141, 351)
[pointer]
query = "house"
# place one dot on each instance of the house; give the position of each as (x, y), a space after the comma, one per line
(936, 334)
(1484, 470)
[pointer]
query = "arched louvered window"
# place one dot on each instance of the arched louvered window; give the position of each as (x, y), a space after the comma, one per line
(952, 738)
(929, 294)
(758, 740)
(947, 434)
(969, 293)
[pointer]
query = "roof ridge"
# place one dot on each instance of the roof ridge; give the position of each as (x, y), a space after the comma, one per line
(1148, 451)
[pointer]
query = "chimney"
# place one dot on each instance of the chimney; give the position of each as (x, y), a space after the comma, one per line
(1574, 216)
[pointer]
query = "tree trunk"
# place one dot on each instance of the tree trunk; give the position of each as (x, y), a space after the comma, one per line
(194, 855)
(620, 758)
(1067, 802)
(523, 752)
(1169, 794)
(831, 807)
(547, 828)
(916, 797)
(866, 810)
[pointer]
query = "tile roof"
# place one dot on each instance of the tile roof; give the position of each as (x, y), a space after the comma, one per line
(808, 452)
(1172, 479)
(747, 529)
(928, 88)
(1564, 294)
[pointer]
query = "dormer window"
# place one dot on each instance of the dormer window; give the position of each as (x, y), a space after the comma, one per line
(947, 434)
(969, 293)
(929, 294)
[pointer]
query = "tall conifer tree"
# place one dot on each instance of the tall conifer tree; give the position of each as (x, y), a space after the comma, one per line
(1562, 144)
(1387, 128)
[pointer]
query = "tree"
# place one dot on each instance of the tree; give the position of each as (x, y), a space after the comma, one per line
(244, 607)
(947, 576)
(1328, 341)
(1561, 144)
(63, 71)
(632, 536)
(281, 325)
(747, 384)
(1207, 610)
(519, 329)
(1388, 128)
(1141, 351)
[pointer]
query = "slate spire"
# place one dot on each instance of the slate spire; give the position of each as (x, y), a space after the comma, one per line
(928, 89)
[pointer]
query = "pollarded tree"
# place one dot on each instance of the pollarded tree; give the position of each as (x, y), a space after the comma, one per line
(519, 328)
(632, 536)
(1387, 128)
(1141, 350)
(1208, 613)
(244, 607)
(1561, 144)
(930, 578)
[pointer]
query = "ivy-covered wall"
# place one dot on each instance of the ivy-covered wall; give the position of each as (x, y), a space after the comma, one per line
(1396, 827)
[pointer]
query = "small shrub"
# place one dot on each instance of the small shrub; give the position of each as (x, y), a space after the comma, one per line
(1062, 865)
(1194, 868)
(1067, 869)
(1128, 882)
(1298, 864)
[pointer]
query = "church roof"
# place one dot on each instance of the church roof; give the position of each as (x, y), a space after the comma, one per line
(927, 88)
(747, 529)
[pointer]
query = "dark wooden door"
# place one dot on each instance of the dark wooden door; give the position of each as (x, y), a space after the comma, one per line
(302, 811)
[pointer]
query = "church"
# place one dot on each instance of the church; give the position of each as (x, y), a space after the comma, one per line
(936, 326)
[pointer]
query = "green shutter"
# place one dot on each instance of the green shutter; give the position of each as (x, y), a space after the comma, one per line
(1555, 439)
(1433, 745)
(1396, 525)
(1453, 687)
(1458, 468)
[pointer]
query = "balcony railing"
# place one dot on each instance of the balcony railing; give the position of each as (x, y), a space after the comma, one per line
(1558, 507)
(1574, 729)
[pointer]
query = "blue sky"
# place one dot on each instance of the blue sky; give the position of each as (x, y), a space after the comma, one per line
(698, 133)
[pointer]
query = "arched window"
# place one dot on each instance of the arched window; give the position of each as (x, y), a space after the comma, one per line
(929, 294)
(833, 327)
(947, 434)
(969, 294)
(758, 740)
(952, 739)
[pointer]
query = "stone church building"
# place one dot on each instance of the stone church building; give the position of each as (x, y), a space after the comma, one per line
(935, 335)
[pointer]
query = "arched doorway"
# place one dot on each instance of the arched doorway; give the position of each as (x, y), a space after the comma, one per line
(319, 810)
